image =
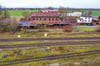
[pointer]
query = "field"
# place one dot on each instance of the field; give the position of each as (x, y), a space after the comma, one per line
(19, 12)
(94, 12)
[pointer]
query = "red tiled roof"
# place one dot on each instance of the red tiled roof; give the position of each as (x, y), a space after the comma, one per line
(68, 20)
(45, 14)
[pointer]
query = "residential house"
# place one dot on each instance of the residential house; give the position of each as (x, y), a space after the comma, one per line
(85, 20)
(96, 20)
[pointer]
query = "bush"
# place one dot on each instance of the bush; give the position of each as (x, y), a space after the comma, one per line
(9, 25)
(68, 30)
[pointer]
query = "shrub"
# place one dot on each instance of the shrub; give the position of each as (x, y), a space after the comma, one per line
(68, 30)
(9, 25)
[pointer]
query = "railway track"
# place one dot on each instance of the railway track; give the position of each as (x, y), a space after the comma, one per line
(49, 44)
(37, 39)
(51, 57)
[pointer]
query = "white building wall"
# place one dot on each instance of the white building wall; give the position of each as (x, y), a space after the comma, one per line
(84, 20)
(74, 14)
(79, 21)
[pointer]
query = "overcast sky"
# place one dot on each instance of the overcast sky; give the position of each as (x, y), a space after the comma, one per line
(52, 3)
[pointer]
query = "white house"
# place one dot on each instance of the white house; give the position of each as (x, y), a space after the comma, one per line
(85, 19)
(74, 14)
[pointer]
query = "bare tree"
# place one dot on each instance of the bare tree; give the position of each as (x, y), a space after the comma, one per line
(6, 14)
(0, 13)
(63, 12)
(8, 24)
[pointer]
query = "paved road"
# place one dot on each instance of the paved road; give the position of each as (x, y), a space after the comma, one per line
(50, 57)
(36, 39)
(49, 44)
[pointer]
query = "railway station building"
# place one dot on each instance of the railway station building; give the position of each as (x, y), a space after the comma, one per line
(48, 20)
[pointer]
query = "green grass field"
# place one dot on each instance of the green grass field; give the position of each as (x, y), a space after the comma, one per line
(94, 12)
(19, 12)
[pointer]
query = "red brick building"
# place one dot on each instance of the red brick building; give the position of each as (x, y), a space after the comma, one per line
(50, 20)
(45, 17)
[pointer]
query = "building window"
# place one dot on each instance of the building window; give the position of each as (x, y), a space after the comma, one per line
(33, 18)
(56, 19)
(45, 19)
(37, 19)
(40, 19)
(52, 19)
(49, 19)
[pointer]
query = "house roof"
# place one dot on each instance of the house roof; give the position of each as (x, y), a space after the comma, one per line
(68, 20)
(27, 24)
(35, 24)
(45, 14)
(85, 16)
(94, 18)
(79, 19)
